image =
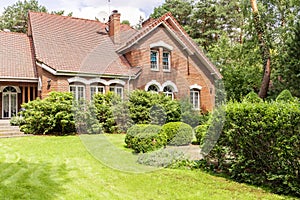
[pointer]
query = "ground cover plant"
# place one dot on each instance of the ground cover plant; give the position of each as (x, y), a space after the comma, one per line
(48, 167)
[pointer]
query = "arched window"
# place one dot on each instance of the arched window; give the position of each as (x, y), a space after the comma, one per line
(9, 89)
(78, 91)
(168, 90)
(117, 89)
(153, 88)
(97, 88)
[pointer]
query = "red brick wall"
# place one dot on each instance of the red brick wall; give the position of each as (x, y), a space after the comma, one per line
(185, 70)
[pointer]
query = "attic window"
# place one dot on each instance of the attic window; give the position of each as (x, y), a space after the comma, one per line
(166, 61)
(154, 60)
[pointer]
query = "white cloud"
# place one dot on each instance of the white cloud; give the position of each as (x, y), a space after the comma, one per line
(130, 9)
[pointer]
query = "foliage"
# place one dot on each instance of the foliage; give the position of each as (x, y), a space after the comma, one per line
(85, 118)
(104, 113)
(260, 145)
(162, 158)
(144, 138)
(181, 10)
(252, 97)
(52, 115)
(163, 108)
(200, 132)
(188, 114)
(16, 121)
(15, 17)
(132, 132)
(288, 69)
(285, 95)
(178, 133)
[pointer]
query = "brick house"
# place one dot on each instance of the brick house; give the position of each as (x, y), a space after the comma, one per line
(85, 57)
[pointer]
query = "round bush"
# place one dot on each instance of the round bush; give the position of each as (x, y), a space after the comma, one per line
(200, 132)
(178, 133)
(132, 132)
(144, 138)
(285, 95)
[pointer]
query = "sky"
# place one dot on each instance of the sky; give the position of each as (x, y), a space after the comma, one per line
(130, 10)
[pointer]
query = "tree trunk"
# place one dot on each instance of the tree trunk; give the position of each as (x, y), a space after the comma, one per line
(265, 51)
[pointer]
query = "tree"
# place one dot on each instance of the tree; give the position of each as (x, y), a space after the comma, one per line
(181, 10)
(15, 17)
(289, 70)
(265, 51)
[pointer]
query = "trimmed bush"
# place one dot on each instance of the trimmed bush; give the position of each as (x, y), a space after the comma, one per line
(260, 144)
(132, 132)
(252, 97)
(149, 139)
(178, 133)
(285, 95)
(144, 138)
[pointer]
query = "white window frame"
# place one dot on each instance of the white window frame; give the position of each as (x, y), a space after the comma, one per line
(167, 68)
(76, 94)
(168, 93)
(117, 90)
(97, 90)
(195, 98)
(154, 66)
(153, 91)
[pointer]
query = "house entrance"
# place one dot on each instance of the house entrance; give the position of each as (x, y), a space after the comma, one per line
(9, 102)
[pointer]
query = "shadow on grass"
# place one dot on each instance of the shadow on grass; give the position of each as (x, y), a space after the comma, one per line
(23, 180)
(111, 156)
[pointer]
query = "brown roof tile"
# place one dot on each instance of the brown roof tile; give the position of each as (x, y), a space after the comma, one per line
(77, 45)
(16, 56)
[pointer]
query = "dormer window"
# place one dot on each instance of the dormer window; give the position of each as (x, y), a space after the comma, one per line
(166, 61)
(154, 60)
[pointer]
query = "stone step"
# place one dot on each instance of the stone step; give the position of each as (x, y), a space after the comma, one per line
(6, 130)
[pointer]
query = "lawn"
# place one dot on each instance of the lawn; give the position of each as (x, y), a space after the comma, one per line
(71, 167)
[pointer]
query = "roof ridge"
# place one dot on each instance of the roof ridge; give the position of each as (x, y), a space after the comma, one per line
(69, 17)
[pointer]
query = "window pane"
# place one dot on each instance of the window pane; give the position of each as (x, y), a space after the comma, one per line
(154, 60)
(166, 61)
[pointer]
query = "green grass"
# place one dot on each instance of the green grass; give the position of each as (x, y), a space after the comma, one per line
(44, 167)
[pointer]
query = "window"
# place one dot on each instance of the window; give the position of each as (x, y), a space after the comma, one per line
(168, 90)
(153, 88)
(195, 98)
(78, 92)
(166, 61)
(97, 89)
(117, 90)
(154, 60)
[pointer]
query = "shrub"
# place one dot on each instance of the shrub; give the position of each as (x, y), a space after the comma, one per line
(162, 158)
(200, 132)
(285, 95)
(260, 144)
(163, 108)
(52, 115)
(252, 97)
(103, 109)
(149, 139)
(17, 121)
(178, 133)
(132, 132)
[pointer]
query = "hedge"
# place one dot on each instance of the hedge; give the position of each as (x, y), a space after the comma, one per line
(178, 133)
(145, 138)
(260, 144)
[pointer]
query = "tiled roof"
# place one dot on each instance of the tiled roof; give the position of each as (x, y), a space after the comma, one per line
(76, 45)
(16, 56)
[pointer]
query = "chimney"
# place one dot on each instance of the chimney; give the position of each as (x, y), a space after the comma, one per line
(114, 26)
